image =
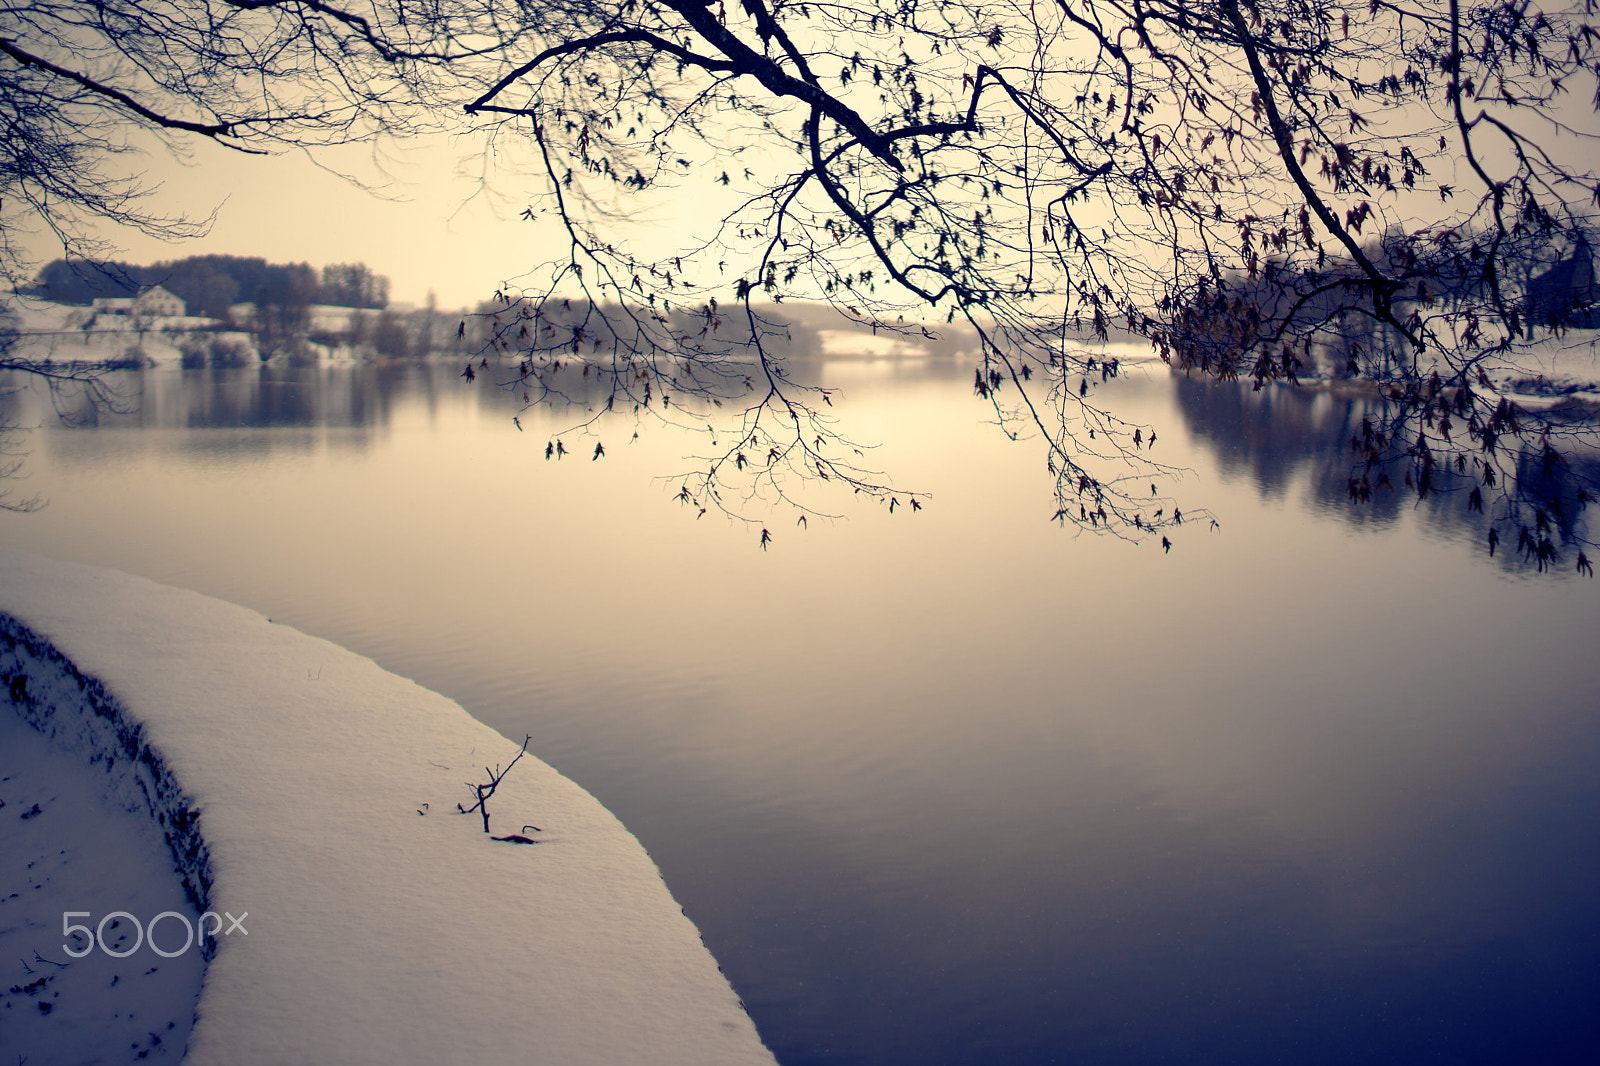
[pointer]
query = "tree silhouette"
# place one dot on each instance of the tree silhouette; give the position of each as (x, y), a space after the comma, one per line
(1240, 184)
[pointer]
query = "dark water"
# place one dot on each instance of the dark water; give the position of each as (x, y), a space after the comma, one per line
(956, 786)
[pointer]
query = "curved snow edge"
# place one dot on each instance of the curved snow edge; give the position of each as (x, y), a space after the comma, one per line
(78, 713)
(384, 928)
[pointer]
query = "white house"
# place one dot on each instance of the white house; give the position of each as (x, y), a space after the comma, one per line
(154, 302)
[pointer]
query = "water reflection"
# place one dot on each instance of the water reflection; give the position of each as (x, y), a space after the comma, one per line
(1281, 437)
(356, 395)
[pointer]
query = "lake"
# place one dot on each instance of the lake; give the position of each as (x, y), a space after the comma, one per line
(955, 786)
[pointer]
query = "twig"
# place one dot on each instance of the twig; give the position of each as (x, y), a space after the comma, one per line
(486, 790)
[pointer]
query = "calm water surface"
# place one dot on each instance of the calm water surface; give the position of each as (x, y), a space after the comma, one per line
(954, 786)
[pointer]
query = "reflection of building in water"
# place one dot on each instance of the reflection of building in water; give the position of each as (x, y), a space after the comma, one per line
(155, 302)
(1283, 437)
(264, 395)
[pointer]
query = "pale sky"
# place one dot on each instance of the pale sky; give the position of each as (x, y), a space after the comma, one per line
(433, 233)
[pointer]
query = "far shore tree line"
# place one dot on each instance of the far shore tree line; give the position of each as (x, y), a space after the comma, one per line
(1217, 329)
(287, 308)
(211, 284)
(283, 299)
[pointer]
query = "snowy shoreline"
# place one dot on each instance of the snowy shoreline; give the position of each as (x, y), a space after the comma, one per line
(383, 926)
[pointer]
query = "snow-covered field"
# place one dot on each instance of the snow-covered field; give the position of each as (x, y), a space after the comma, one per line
(360, 917)
(1557, 366)
(65, 333)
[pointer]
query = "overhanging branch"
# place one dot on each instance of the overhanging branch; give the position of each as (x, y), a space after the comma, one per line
(216, 130)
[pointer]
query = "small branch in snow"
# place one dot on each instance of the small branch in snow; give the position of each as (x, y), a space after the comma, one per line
(484, 791)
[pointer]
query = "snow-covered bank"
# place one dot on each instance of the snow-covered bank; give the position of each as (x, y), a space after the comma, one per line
(383, 927)
(63, 848)
(69, 334)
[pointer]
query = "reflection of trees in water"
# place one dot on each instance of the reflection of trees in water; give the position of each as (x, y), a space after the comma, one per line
(13, 450)
(259, 396)
(1555, 489)
(219, 398)
(1278, 435)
